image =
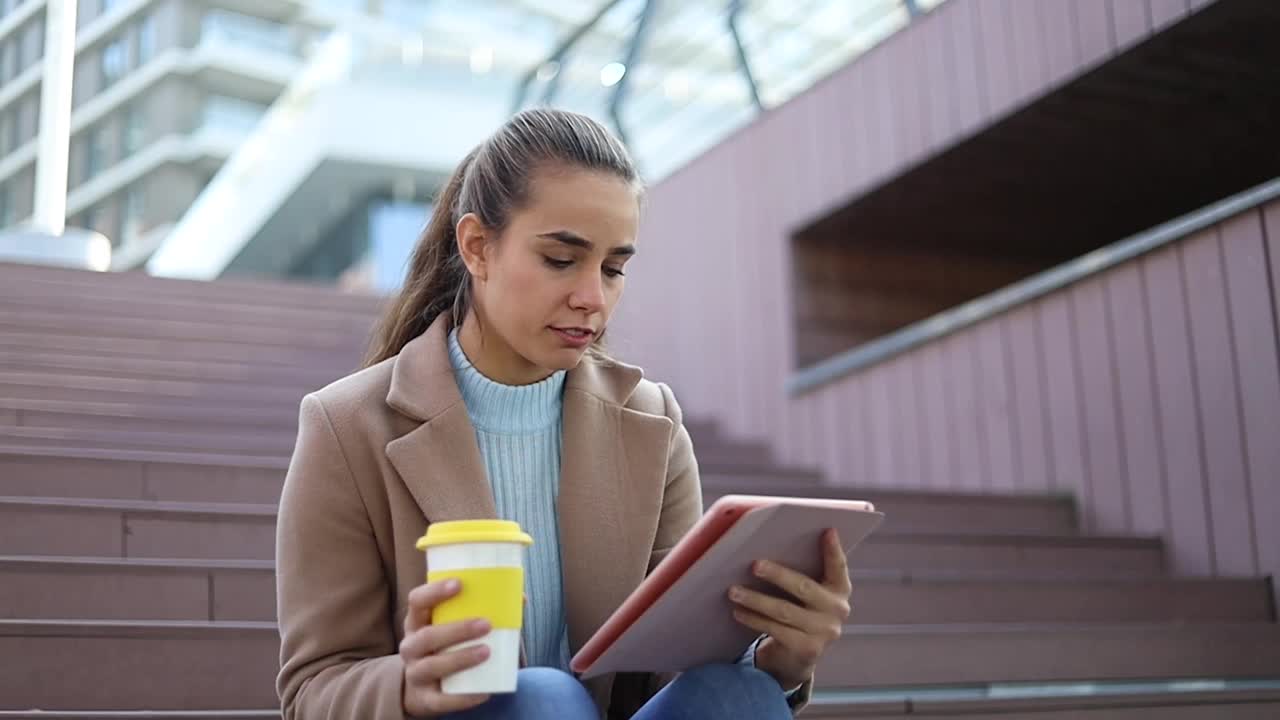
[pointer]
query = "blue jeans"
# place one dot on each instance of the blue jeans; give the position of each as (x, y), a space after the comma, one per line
(708, 692)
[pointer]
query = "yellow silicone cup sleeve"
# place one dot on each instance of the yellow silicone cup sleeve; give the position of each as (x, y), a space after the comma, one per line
(495, 594)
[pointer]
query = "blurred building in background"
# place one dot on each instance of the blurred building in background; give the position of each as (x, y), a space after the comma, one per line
(304, 139)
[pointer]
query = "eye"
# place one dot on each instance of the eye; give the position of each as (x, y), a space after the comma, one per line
(556, 263)
(613, 272)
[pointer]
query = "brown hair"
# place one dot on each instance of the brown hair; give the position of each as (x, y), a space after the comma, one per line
(492, 181)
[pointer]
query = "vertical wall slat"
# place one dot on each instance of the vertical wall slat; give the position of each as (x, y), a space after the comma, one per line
(935, 85)
(1103, 433)
(1135, 393)
(1189, 540)
(966, 471)
(880, 385)
(937, 426)
(1061, 45)
(1029, 49)
(994, 398)
(967, 87)
(1063, 396)
(993, 37)
(1131, 22)
(907, 59)
(907, 404)
(1216, 382)
(1250, 299)
(1166, 12)
(1034, 448)
(1095, 33)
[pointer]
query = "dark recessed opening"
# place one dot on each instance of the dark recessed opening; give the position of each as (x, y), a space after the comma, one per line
(1172, 125)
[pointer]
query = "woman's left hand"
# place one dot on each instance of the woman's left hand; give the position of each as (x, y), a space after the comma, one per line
(798, 631)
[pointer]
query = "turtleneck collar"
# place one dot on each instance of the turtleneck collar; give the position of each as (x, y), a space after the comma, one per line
(511, 409)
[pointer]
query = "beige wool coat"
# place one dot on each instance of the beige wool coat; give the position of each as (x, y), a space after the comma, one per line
(383, 452)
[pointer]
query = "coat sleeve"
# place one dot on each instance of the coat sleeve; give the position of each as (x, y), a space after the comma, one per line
(338, 654)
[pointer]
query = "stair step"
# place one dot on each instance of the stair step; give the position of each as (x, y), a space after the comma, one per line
(272, 714)
(88, 363)
(919, 511)
(163, 589)
(176, 329)
(135, 528)
(902, 655)
(195, 419)
(1083, 702)
(63, 386)
(136, 589)
(214, 477)
(267, 443)
(164, 349)
(137, 665)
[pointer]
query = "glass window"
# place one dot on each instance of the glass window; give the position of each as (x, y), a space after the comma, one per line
(6, 206)
(32, 44)
(14, 131)
(133, 130)
(146, 39)
(115, 62)
(131, 215)
(6, 119)
(8, 60)
(93, 153)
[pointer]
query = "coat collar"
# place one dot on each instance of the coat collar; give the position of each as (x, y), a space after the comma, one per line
(423, 385)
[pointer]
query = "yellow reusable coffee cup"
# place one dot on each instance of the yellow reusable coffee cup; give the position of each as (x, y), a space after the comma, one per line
(487, 557)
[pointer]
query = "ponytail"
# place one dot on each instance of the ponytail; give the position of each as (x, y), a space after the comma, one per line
(437, 280)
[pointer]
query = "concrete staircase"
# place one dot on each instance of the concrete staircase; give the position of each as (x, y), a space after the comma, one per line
(145, 426)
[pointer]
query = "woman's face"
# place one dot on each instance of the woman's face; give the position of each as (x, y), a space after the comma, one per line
(546, 288)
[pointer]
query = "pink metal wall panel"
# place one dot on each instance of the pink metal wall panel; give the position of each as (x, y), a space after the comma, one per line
(1151, 392)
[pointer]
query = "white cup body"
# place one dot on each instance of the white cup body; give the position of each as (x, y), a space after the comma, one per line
(498, 673)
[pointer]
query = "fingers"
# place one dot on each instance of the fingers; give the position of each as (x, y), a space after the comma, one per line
(835, 564)
(429, 670)
(779, 610)
(434, 638)
(809, 592)
(423, 599)
(806, 648)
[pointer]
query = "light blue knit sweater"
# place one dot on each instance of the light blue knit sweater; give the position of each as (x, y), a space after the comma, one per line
(518, 429)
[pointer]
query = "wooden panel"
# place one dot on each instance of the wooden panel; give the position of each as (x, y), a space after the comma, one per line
(1063, 395)
(1110, 510)
(968, 468)
(1058, 33)
(997, 408)
(1030, 404)
(1095, 33)
(1254, 337)
(1219, 395)
(1179, 418)
(1131, 20)
(1135, 393)
(997, 59)
(1166, 12)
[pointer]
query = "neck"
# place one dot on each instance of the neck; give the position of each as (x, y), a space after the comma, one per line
(493, 358)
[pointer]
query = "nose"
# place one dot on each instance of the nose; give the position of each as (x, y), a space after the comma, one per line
(588, 293)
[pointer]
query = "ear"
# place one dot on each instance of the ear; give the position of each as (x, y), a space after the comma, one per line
(473, 238)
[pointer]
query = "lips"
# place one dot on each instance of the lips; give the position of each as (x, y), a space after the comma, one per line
(574, 337)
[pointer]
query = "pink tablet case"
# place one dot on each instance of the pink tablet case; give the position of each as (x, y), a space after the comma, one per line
(680, 616)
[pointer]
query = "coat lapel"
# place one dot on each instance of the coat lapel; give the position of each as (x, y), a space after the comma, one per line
(439, 460)
(613, 468)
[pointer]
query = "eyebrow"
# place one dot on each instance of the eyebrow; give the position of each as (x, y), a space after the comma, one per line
(576, 240)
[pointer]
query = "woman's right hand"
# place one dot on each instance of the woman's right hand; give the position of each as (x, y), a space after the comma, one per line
(425, 663)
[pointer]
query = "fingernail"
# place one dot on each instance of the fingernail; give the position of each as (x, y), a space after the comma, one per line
(735, 593)
(452, 586)
(480, 625)
(759, 567)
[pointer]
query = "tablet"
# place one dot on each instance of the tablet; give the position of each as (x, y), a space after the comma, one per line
(680, 616)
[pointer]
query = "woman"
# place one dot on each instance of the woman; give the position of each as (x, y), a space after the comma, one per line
(487, 395)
